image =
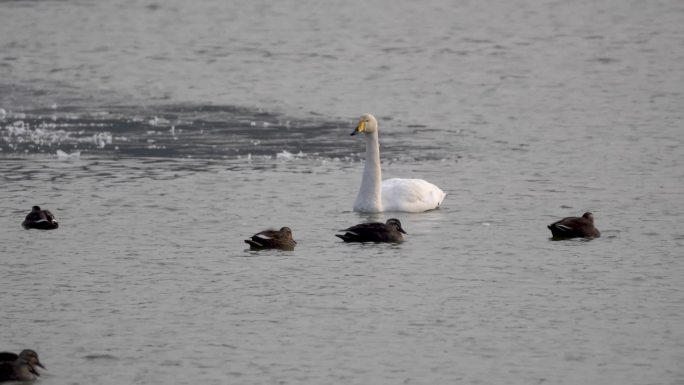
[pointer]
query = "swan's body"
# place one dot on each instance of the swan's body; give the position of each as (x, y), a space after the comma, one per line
(376, 195)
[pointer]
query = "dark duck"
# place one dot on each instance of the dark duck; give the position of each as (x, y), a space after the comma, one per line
(390, 231)
(40, 219)
(19, 367)
(574, 227)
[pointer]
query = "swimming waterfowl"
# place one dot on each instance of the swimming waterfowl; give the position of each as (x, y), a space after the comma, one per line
(573, 227)
(19, 367)
(40, 219)
(374, 232)
(272, 239)
(395, 194)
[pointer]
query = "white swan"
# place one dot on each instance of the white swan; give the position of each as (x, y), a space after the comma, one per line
(376, 195)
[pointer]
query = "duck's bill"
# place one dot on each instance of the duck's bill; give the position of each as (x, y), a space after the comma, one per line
(402, 231)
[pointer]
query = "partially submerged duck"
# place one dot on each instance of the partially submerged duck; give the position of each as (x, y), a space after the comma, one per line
(40, 219)
(19, 367)
(573, 227)
(390, 231)
(272, 239)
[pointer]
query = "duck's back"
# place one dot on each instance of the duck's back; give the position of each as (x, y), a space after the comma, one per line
(8, 356)
(271, 239)
(410, 195)
(572, 227)
(370, 232)
(42, 220)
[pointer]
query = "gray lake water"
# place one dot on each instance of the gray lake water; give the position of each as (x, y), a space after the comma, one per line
(185, 127)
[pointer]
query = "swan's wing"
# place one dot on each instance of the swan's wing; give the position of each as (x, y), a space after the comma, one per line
(410, 195)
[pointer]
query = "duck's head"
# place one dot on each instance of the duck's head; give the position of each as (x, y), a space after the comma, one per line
(589, 216)
(288, 233)
(31, 357)
(367, 124)
(395, 222)
(35, 209)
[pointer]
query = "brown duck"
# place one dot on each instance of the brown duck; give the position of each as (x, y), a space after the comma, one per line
(272, 239)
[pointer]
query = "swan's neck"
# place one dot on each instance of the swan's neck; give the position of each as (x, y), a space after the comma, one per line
(369, 198)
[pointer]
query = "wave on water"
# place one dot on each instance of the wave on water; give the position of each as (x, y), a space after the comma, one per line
(206, 132)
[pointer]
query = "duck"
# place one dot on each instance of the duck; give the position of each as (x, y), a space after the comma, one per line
(19, 367)
(272, 239)
(394, 194)
(574, 227)
(390, 232)
(40, 219)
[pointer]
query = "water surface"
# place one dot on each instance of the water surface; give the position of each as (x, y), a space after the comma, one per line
(183, 129)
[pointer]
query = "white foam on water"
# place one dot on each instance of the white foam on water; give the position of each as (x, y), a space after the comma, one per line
(102, 139)
(286, 155)
(157, 121)
(20, 133)
(62, 155)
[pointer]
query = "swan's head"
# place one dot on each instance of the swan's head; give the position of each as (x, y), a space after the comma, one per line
(367, 125)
